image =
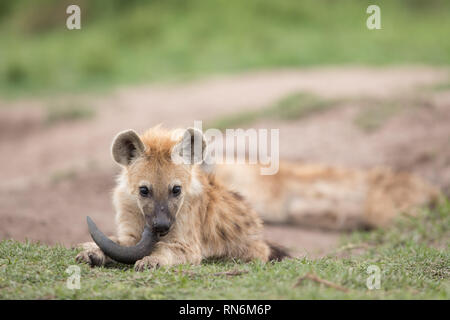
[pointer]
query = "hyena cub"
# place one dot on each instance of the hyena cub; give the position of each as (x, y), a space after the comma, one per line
(195, 215)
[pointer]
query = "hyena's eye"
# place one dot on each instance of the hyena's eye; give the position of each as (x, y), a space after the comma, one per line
(176, 190)
(144, 191)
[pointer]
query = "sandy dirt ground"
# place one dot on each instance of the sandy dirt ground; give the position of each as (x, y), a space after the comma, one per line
(52, 176)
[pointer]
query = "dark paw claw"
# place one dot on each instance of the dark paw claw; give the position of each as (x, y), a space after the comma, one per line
(94, 260)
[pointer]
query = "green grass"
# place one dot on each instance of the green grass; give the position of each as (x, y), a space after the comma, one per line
(373, 114)
(68, 113)
(290, 107)
(413, 256)
(376, 112)
(63, 175)
(373, 117)
(442, 86)
(128, 42)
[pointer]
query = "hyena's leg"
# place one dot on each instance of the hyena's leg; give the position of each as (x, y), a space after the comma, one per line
(169, 254)
(253, 250)
(91, 254)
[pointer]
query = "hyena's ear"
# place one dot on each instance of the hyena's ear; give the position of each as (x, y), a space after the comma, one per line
(126, 146)
(191, 148)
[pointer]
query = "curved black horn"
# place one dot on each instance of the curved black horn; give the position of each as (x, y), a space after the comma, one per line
(119, 253)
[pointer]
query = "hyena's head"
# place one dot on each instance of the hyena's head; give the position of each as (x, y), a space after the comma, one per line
(158, 183)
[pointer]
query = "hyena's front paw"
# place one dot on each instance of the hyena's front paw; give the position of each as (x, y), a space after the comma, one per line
(148, 262)
(93, 257)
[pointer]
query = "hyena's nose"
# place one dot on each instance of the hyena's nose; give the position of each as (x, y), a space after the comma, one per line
(161, 225)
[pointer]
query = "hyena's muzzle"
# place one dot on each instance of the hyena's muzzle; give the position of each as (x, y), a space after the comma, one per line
(160, 219)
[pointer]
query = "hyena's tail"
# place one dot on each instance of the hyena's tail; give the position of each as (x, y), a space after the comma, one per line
(277, 253)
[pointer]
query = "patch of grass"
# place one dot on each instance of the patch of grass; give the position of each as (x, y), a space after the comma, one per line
(438, 86)
(127, 42)
(63, 175)
(67, 113)
(298, 105)
(374, 116)
(429, 227)
(413, 257)
(376, 112)
(441, 86)
(291, 107)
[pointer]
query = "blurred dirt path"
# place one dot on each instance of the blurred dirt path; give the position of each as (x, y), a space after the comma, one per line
(53, 176)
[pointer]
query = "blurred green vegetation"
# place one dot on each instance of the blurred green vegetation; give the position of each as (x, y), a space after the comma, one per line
(57, 113)
(134, 41)
(290, 107)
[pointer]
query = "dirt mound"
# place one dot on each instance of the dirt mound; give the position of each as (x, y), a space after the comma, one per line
(19, 123)
(55, 211)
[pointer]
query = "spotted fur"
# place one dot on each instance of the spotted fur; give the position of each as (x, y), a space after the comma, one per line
(209, 219)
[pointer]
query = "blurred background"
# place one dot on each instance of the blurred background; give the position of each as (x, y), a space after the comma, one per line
(128, 42)
(340, 94)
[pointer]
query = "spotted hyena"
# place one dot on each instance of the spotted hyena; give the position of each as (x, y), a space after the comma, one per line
(196, 216)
